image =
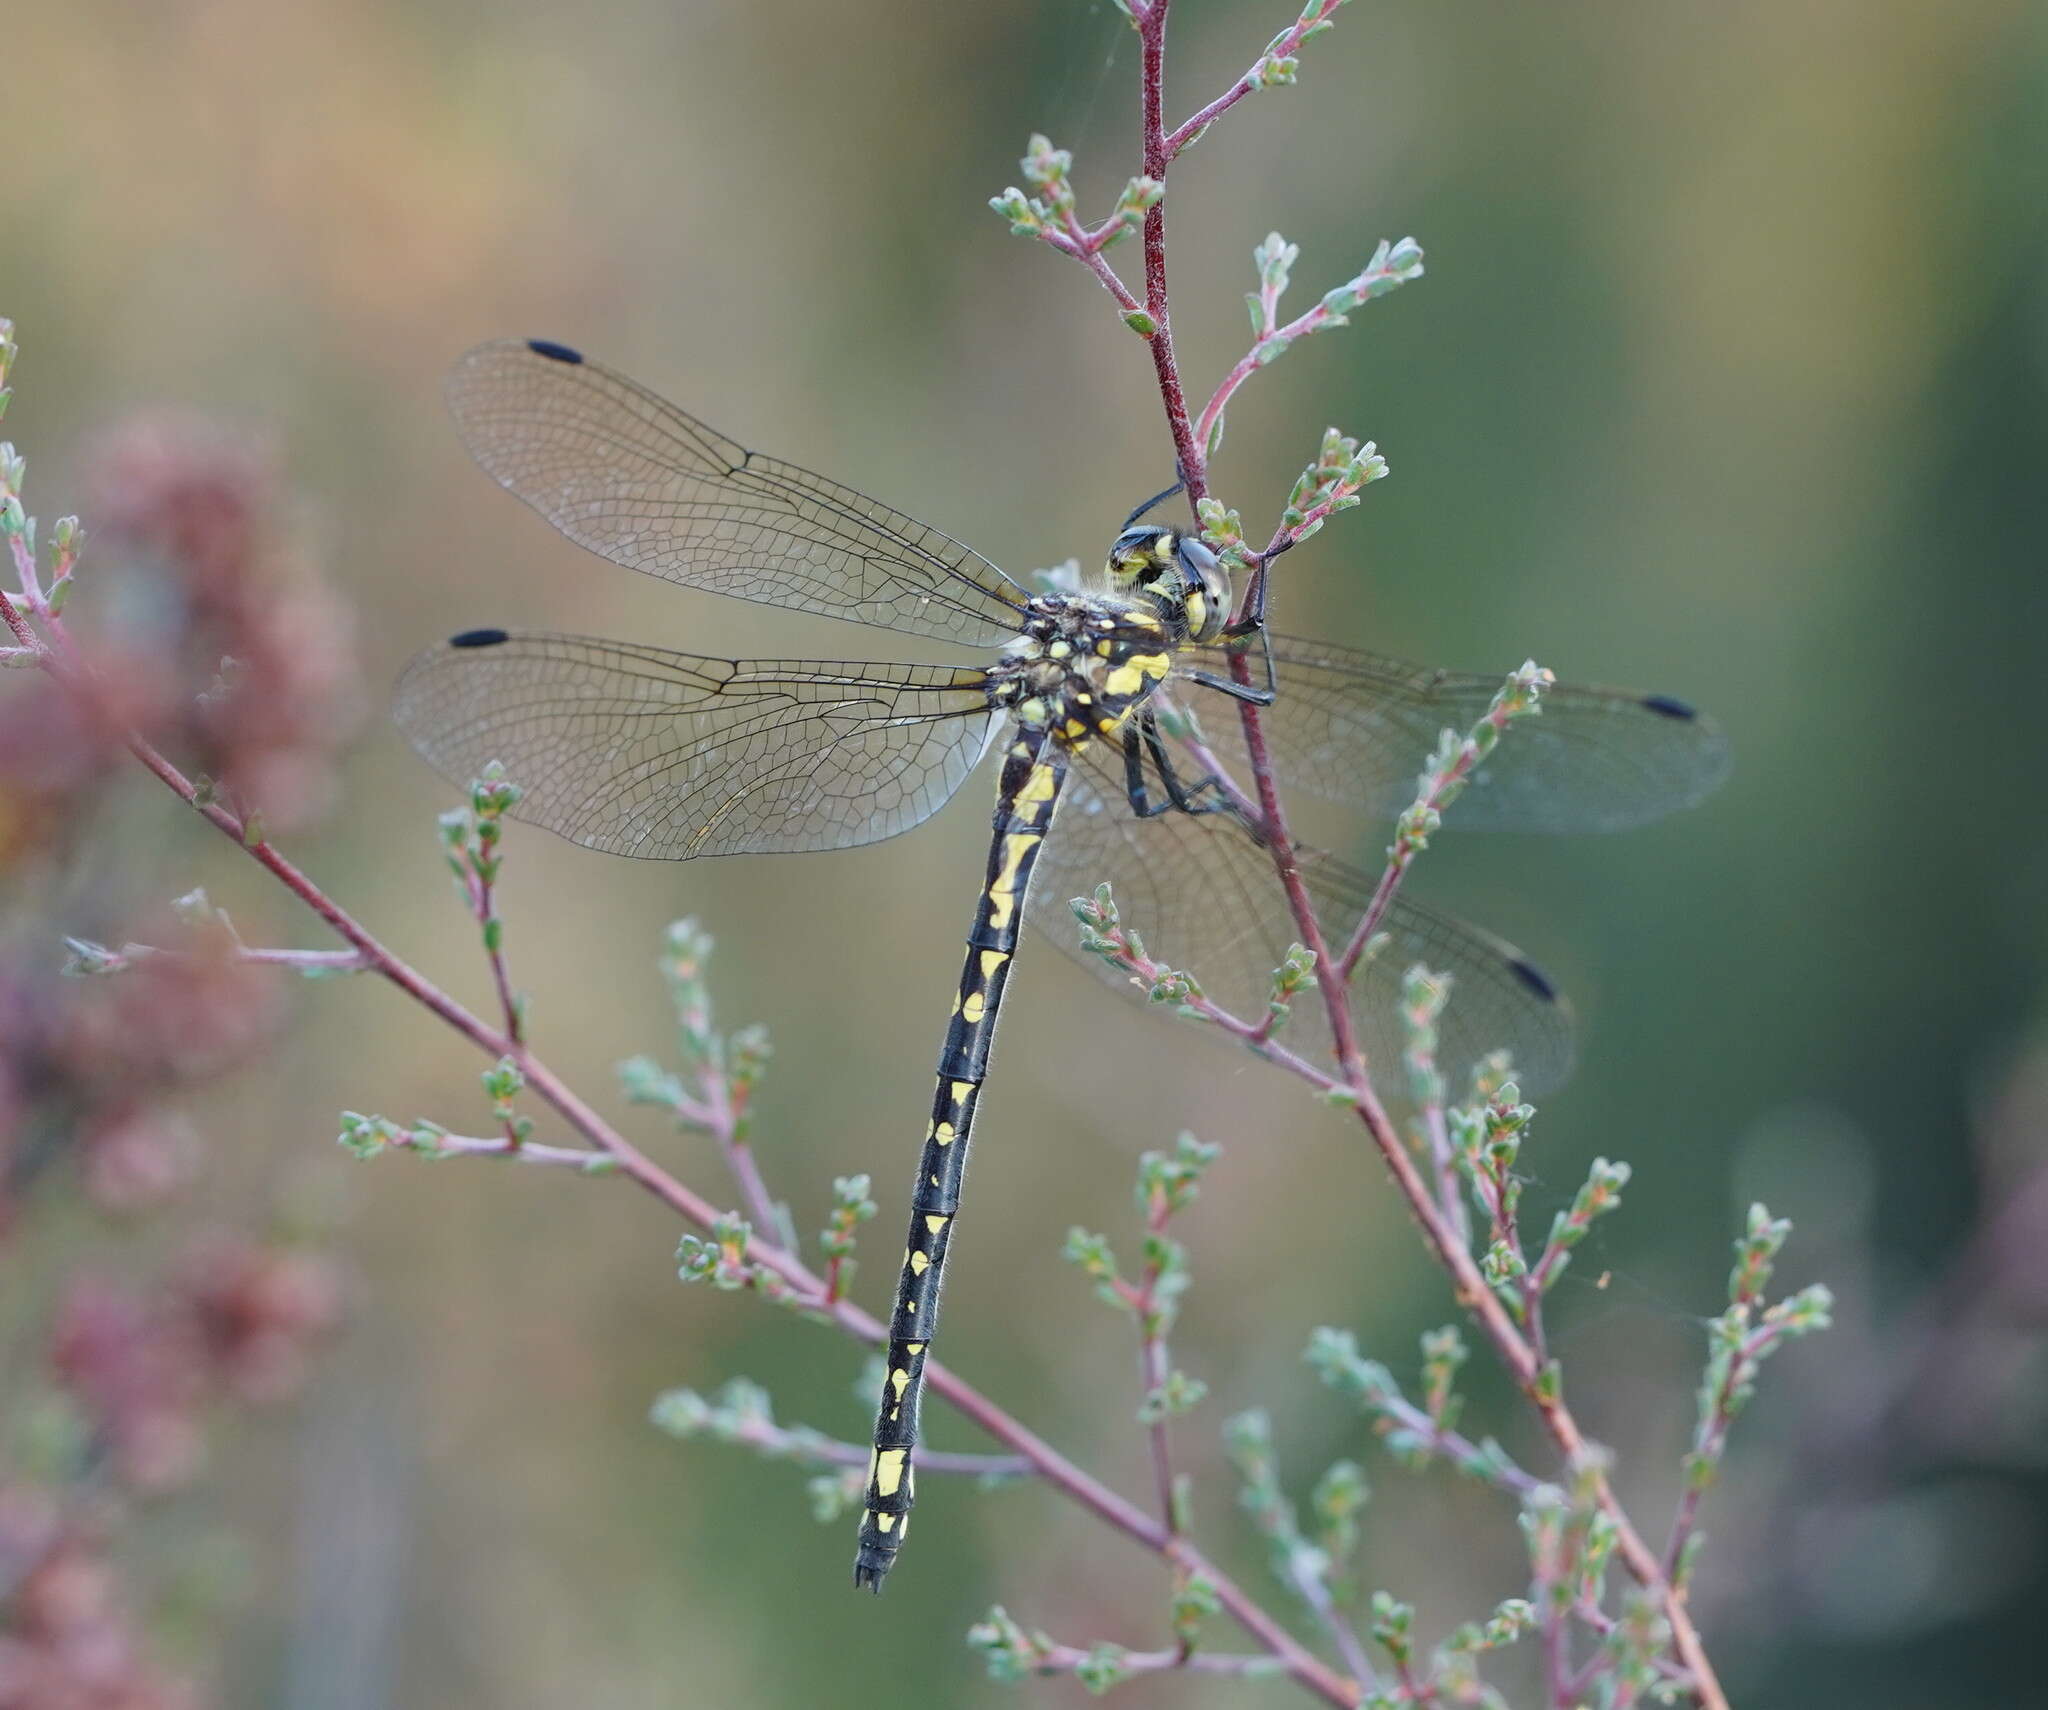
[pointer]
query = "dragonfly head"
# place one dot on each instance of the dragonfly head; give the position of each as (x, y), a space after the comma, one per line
(1175, 573)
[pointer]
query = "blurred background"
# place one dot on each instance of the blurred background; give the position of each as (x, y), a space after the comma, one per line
(1727, 379)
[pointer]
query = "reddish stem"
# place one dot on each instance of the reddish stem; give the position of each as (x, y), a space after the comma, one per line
(1152, 76)
(1468, 1283)
(1048, 1463)
(1154, 1367)
(1286, 47)
(1248, 364)
(485, 906)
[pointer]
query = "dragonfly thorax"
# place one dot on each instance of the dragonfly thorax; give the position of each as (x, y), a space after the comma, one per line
(1082, 664)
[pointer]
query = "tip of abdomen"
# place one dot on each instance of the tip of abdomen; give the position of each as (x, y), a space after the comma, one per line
(870, 1568)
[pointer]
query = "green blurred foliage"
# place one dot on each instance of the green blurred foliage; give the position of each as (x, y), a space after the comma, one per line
(1727, 378)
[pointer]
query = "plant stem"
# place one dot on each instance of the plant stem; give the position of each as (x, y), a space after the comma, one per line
(1045, 1461)
(1468, 1284)
(493, 1146)
(1196, 123)
(1248, 364)
(1154, 1367)
(484, 902)
(1711, 1440)
(1067, 1659)
(1152, 76)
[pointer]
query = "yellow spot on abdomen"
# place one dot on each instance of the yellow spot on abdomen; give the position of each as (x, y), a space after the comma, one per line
(1039, 786)
(1002, 890)
(935, 1224)
(889, 1471)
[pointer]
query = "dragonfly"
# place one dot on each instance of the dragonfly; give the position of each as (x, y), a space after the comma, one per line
(1088, 693)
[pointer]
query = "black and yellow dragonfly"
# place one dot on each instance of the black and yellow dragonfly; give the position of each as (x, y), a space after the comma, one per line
(637, 750)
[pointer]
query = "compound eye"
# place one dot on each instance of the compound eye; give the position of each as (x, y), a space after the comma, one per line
(1207, 576)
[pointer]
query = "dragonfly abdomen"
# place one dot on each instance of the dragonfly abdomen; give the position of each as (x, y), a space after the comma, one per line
(1032, 772)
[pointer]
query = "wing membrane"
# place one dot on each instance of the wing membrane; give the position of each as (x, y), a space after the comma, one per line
(1203, 895)
(632, 478)
(639, 751)
(1356, 728)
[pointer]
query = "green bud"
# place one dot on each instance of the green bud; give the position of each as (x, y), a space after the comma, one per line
(1026, 217)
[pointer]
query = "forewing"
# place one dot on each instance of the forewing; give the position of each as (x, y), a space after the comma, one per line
(1202, 894)
(639, 751)
(628, 475)
(1357, 727)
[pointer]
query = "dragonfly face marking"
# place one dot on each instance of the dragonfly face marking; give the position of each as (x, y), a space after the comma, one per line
(1178, 572)
(1093, 700)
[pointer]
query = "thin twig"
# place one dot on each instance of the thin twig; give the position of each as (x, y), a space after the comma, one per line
(723, 1122)
(1070, 1659)
(1423, 1000)
(1468, 1284)
(783, 1442)
(1049, 1465)
(1284, 46)
(494, 953)
(100, 959)
(1155, 1366)
(1273, 337)
(1711, 1439)
(435, 1144)
(1090, 256)
(1315, 1591)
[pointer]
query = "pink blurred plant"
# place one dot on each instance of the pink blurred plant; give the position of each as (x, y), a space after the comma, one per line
(145, 1355)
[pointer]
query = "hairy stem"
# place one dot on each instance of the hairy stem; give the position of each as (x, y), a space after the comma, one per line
(1158, 155)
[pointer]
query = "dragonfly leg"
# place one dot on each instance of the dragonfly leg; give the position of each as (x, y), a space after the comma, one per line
(1207, 796)
(1136, 790)
(1180, 481)
(1236, 691)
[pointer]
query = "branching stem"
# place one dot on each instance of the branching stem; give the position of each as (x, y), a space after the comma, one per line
(1522, 1359)
(1529, 1371)
(1042, 1459)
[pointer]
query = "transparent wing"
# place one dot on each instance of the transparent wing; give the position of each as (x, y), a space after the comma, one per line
(628, 475)
(1356, 728)
(639, 751)
(1202, 894)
